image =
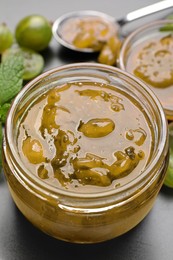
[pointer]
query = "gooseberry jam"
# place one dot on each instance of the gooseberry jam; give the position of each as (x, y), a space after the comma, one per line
(88, 32)
(147, 53)
(152, 62)
(85, 152)
(78, 136)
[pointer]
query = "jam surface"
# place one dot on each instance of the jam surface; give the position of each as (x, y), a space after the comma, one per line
(85, 136)
(151, 61)
(88, 32)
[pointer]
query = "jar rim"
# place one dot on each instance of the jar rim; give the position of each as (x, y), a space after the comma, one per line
(40, 184)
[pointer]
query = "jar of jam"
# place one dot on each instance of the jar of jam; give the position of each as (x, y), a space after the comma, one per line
(85, 152)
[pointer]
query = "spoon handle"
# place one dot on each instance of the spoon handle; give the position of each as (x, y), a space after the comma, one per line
(150, 9)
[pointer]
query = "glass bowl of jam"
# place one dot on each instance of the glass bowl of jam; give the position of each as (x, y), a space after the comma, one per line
(147, 53)
(85, 152)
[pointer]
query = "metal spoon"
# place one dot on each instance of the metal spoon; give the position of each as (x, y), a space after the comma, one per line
(132, 16)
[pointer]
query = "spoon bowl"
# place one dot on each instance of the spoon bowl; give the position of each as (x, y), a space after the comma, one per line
(59, 27)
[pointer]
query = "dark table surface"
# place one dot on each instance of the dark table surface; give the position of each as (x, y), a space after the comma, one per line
(19, 240)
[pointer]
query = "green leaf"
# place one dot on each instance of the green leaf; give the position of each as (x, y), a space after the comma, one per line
(169, 174)
(3, 112)
(0, 144)
(11, 72)
(33, 61)
(169, 26)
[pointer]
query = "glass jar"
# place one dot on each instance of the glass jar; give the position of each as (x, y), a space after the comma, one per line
(147, 54)
(95, 216)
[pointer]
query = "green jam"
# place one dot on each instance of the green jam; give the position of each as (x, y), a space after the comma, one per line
(85, 136)
(151, 61)
(154, 62)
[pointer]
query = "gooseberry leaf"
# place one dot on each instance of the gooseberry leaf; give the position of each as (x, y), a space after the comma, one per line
(0, 144)
(3, 112)
(169, 174)
(11, 73)
(168, 27)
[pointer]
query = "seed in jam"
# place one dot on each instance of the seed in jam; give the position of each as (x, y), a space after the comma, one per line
(43, 172)
(97, 127)
(33, 150)
(138, 135)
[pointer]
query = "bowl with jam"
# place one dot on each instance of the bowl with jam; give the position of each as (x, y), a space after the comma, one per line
(147, 53)
(85, 152)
